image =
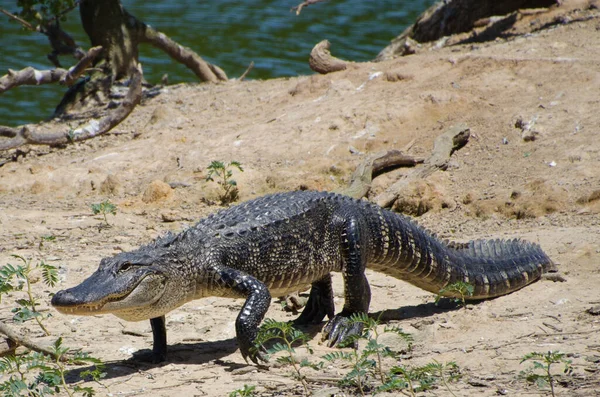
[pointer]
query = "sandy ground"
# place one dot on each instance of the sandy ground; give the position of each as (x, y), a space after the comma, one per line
(311, 132)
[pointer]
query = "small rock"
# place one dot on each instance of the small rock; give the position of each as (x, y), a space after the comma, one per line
(529, 135)
(156, 191)
(594, 311)
(171, 217)
(110, 186)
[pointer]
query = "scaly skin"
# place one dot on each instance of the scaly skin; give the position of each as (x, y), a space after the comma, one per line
(287, 242)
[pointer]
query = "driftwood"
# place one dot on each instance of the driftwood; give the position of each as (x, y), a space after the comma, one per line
(19, 339)
(322, 61)
(202, 69)
(453, 139)
(30, 134)
(31, 76)
(360, 184)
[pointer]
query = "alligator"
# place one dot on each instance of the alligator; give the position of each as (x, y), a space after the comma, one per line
(282, 243)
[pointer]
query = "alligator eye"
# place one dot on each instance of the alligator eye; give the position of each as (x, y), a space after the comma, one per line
(125, 266)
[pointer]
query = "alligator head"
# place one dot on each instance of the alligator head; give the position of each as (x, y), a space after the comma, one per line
(130, 285)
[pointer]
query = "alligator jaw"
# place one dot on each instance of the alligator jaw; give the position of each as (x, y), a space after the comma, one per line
(145, 293)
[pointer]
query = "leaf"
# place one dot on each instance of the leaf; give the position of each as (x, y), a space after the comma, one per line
(49, 274)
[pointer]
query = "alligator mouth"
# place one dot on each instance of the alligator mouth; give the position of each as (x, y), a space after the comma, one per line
(145, 292)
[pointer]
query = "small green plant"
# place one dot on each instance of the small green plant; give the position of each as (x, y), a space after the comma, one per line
(105, 207)
(543, 362)
(459, 290)
(19, 278)
(418, 379)
(247, 391)
(286, 336)
(222, 173)
(368, 361)
(36, 374)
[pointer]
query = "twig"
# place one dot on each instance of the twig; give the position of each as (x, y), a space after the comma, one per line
(306, 3)
(20, 20)
(250, 67)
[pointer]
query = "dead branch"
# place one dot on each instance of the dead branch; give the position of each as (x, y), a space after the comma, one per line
(19, 339)
(443, 147)
(30, 135)
(306, 3)
(322, 61)
(360, 184)
(31, 76)
(204, 70)
(19, 20)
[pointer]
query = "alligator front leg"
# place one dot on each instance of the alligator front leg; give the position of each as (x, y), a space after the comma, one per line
(356, 286)
(257, 302)
(159, 336)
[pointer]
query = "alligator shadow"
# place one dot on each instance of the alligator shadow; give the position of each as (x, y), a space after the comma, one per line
(422, 310)
(178, 353)
(206, 351)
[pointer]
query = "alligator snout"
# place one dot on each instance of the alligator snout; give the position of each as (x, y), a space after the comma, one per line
(65, 298)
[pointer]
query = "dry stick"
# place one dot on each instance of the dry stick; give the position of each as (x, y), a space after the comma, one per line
(27, 134)
(322, 61)
(443, 147)
(22, 340)
(250, 67)
(360, 183)
(306, 3)
(16, 18)
(204, 70)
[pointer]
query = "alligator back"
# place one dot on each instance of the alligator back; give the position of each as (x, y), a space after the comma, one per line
(290, 240)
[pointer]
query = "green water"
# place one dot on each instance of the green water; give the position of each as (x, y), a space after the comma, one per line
(228, 33)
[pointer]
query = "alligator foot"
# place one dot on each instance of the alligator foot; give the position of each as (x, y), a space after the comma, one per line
(319, 304)
(339, 328)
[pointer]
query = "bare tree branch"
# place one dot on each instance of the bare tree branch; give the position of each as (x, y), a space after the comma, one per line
(31, 134)
(306, 3)
(322, 61)
(31, 76)
(204, 70)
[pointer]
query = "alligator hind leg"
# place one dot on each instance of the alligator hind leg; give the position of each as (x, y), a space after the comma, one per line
(356, 287)
(319, 304)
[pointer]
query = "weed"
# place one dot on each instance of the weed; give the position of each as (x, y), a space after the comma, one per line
(105, 207)
(459, 290)
(223, 173)
(36, 374)
(247, 391)
(418, 379)
(19, 278)
(288, 336)
(543, 362)
(368, 361)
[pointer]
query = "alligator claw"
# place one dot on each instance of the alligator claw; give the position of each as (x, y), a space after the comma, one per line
(255, 355)
(338, 329)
